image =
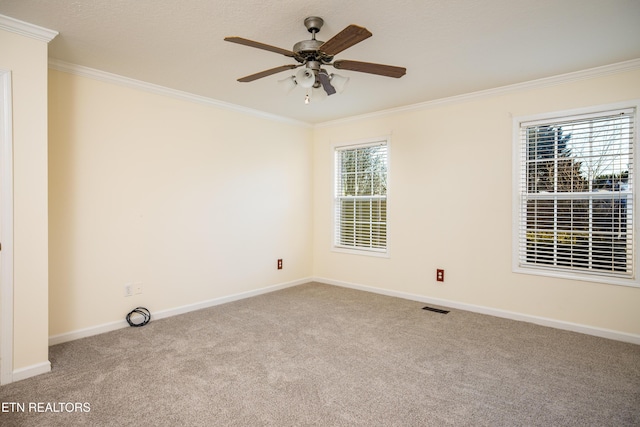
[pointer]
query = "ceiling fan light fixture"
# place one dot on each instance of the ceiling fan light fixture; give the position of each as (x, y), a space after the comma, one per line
(319, 94)
(315, 95)
(306, 77)
(339, 82)
(288, 84)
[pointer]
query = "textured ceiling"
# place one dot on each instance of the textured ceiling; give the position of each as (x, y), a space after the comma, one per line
(449, 47)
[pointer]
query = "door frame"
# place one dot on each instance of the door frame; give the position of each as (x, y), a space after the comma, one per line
(6, 229)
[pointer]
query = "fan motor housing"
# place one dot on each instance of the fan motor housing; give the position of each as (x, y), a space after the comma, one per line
(307, 50)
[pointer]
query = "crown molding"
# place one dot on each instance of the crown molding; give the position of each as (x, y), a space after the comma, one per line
(605, 70)
(26, 29)
(590, 73)
(104, 76)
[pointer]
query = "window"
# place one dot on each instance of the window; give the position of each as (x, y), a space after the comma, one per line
(361, 197)
(575, 193)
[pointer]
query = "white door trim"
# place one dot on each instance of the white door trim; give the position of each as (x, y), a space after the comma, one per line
(6, 229)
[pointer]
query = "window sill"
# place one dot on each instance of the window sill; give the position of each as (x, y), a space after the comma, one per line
(603, 279)
(364, 252)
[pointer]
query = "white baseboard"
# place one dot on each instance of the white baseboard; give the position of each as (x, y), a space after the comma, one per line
(120, 324)
(31, 371)
(543, 321)
(87, 332)
(222, 300)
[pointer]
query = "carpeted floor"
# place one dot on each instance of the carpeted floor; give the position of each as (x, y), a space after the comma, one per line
(319, 355)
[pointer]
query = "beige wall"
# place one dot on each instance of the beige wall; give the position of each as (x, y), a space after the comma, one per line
(450, 207)
(26, 58)
(197, 203)
(193, 201)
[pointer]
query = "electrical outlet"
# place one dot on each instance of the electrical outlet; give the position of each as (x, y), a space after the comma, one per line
(280, 264)
(440, 275)
(137, 288)
(128, 290)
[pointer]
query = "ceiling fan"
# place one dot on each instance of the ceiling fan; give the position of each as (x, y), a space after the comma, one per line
(315, 54)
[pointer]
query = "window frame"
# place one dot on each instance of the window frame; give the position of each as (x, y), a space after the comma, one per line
(335, 247)
(517, 194)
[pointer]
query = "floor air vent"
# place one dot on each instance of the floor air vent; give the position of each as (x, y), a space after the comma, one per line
(436, 310)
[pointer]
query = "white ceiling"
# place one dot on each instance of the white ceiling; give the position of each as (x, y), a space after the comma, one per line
(449, 47)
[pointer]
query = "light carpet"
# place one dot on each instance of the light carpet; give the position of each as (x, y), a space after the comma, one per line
(320, 355)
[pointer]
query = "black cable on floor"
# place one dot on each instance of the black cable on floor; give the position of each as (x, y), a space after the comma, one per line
(146, 315)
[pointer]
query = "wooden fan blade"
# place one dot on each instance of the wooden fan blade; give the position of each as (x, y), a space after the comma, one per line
(368, 67)
(259, 45)
(346, 38)
(266, 73)
(326, 84)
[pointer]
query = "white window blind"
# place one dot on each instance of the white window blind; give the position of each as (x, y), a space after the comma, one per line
(576, 194)
(361, 197)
